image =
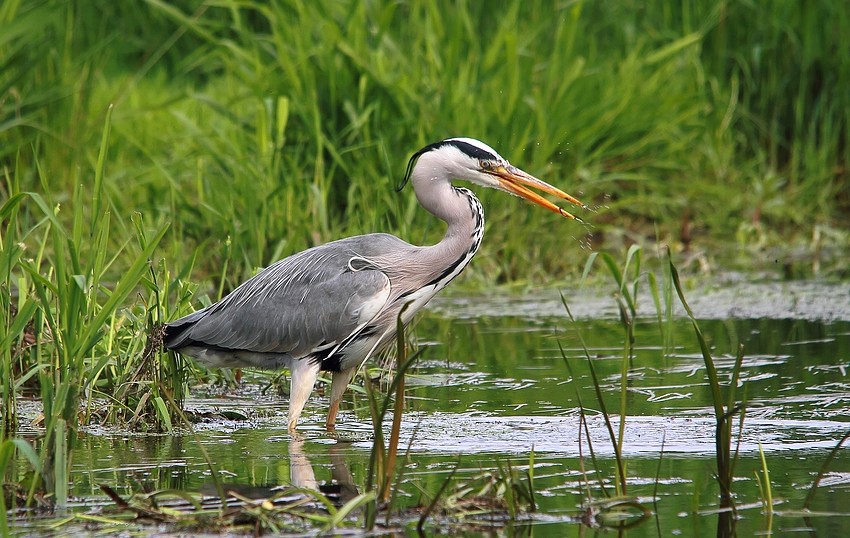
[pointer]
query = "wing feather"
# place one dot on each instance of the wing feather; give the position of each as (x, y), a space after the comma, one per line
(312, 299)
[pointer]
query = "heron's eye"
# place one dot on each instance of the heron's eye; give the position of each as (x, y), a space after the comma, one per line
(485, 165)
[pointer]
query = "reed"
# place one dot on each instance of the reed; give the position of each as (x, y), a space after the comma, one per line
(726, 405)
(765, 487)
(810, 496)
(68, 297)
(617, 510)
(16, 314)
(724, 396)
(12, 451)
(627, 280)
(381, 476)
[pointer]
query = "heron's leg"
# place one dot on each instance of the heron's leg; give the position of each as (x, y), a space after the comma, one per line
(304, 374)
(340, 382)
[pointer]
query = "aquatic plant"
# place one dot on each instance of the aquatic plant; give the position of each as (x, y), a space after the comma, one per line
(810, 496)
(381, 475)
(723, 395)
(765, 489)
(68, 296)
(293, 510)
(618, 509)
(724, 414)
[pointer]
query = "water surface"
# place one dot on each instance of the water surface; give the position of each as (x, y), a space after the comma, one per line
(492, 385)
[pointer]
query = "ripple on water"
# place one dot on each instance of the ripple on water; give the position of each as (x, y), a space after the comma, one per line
(445, 433)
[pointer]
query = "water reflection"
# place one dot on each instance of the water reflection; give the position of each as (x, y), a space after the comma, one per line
(339, 489)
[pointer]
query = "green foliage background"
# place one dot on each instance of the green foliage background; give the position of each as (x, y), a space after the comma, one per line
(258, 129)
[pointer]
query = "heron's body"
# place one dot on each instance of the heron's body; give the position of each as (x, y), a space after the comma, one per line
(332, 306)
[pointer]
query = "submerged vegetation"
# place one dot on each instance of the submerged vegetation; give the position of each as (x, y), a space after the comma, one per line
(153, 155)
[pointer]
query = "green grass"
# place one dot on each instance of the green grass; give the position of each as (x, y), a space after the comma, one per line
(260, 130)
(153, 155)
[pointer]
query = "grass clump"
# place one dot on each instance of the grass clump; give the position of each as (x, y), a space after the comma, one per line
(618, 509)
(64, 320)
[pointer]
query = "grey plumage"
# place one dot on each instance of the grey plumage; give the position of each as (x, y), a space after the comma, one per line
(332, 306)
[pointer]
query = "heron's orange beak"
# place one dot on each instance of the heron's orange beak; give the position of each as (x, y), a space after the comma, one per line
(515, 181)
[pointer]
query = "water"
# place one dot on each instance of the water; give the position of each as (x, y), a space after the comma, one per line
(492, 385)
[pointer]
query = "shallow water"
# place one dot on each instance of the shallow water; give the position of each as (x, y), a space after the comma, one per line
(492, 385)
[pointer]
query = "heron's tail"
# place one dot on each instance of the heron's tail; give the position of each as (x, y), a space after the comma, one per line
(175, 334)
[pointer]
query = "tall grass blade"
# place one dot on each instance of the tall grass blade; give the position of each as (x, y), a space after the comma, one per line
(60, 463)
(97, 191)
(597, 387)
(656, 300)
(583, 427)
(382, 460)
(764, 483)
(711, 371)
(9, 449)
(356, 503)
(420, 525)
(398, 410)
(723, 415)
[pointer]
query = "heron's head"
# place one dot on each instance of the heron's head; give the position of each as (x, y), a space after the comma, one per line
(474, 161)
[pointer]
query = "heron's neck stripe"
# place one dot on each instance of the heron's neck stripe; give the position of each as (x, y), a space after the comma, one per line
(477, 235)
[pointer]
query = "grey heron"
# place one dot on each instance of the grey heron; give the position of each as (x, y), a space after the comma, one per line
(333, 306)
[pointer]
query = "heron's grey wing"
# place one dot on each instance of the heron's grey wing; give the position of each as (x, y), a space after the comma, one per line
(310, 300)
